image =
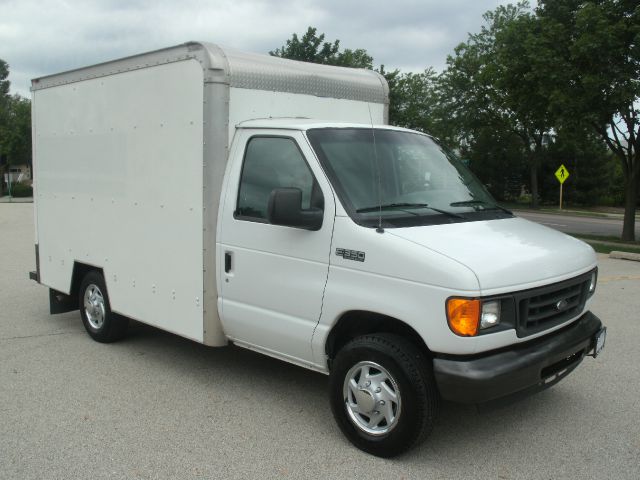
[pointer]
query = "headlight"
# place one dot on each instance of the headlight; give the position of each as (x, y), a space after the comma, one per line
(490, 314)
(592, 282)
(466, 316)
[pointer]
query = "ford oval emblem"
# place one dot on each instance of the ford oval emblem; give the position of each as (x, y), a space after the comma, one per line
(561, 305)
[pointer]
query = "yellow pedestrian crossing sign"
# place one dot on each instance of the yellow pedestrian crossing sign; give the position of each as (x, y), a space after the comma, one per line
(562, 174)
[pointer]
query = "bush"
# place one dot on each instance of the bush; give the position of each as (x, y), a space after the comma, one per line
(21, 190)
(525, 198)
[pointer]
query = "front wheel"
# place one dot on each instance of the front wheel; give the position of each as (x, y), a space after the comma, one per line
(100, 322)
(383, 395)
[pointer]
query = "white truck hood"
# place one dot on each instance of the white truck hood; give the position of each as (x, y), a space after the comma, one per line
(509, 253)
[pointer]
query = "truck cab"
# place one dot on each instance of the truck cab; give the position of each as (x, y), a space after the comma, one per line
(332, 233)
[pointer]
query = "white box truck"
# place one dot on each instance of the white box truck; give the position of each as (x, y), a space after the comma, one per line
(234, 197)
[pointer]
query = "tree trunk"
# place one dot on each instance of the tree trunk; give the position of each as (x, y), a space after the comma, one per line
(630, 201)
(533, 169)
(535, 158)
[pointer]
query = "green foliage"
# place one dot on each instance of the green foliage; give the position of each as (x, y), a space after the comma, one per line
(4, 83)
(591, 51)
(312, 48)
(21, 190)
(523, 95)
(595, 48)
(593, 173)
(413, 100)
(15, 132)
(15, 125)
(4, 98)
(491, 88)
(497, 159)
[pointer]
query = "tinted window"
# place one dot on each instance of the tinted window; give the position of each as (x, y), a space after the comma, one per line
(270, 163)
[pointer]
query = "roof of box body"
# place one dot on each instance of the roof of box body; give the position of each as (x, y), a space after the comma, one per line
(243, 70)
(298, 123)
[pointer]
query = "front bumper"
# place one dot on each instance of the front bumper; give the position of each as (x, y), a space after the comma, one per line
(519, 370)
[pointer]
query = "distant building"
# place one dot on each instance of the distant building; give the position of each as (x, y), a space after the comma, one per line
(18, 173)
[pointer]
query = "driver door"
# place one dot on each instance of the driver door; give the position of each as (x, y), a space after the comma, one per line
(274, 276)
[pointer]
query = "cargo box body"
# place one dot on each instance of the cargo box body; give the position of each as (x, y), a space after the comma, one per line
(130, 158)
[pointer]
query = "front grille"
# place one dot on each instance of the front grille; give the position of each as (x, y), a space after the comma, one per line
(548, 306)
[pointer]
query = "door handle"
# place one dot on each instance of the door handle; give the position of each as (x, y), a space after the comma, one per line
(227, 262)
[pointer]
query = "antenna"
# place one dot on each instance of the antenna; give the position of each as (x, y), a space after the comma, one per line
(375, 154)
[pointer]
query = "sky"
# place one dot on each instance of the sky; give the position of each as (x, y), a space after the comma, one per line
(42, 37)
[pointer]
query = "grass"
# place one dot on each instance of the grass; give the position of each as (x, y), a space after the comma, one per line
(605, 238)
(608, 248)
(575, 213)
(607, 244)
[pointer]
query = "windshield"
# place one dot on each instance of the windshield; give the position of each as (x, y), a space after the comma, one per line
(418, 178)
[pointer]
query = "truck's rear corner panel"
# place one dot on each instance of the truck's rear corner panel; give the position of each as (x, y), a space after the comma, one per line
(119, 186)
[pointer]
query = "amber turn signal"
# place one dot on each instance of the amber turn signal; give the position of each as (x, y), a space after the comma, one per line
(463, 315)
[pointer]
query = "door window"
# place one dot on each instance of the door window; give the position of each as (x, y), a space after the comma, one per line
(270, 163)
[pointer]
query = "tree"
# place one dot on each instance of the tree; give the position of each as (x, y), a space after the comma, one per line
(15, 126)
(498, 159)
(312, 48)
(4, 98)
(4, 117)
(17, 138)
(413, 100)
(4, 83)
(412, 96)
(490, 83)
(593, 172)
(591, 51)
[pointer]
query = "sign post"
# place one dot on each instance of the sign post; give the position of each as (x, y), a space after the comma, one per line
(562, 174)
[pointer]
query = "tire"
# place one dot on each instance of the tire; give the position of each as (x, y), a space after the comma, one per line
(100, 322)
(395, 408)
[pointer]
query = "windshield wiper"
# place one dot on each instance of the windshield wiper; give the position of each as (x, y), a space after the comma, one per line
(470, 203)
(402, 206)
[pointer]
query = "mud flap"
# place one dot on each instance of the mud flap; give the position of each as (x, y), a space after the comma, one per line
(60, 302)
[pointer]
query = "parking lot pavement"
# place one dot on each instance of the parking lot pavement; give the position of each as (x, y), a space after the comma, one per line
(159, 406)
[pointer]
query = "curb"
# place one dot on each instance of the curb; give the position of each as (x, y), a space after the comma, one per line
(625, 256)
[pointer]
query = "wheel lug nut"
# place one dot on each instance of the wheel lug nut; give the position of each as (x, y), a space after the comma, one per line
(367, 383)
(378, 390)
(381, 402)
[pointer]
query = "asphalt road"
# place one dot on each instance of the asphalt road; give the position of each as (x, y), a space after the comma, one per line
(156, 406)
(578, 224)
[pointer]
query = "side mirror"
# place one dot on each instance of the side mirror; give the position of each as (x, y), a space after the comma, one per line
(285, 208)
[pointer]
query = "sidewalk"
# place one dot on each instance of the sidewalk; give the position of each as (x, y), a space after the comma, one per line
(603, 212)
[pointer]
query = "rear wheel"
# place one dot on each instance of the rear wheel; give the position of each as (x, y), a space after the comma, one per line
(383, 395)
(100, 322)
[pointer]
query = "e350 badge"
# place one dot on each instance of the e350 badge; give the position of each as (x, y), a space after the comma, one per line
(350, 254)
